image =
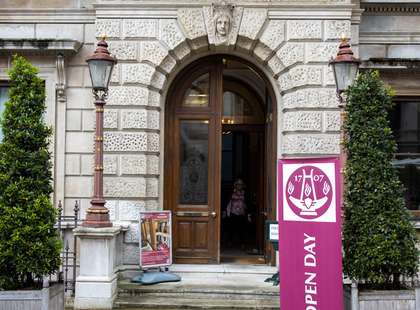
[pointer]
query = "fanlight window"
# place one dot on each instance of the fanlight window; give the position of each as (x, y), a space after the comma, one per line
(198, 94)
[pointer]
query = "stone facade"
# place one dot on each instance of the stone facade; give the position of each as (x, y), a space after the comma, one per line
(150, 50)
(291, 42)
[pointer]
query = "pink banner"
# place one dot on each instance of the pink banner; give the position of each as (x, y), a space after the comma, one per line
(310, 234)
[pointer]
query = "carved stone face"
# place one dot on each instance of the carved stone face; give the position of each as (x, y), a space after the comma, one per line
(222, 25)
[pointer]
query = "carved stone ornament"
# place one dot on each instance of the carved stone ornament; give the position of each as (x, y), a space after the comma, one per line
(222, 21)
(61, 77)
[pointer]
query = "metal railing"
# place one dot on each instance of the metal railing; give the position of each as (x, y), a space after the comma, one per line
(65, 225)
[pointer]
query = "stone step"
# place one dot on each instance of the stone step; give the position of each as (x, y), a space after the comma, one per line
(223, 285)
(203, 294)
(195, 291)
(154, 302)
(223, 268)
(204, 287)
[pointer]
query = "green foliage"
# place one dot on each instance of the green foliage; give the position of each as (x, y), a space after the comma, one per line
(29, 244)
(379, 240)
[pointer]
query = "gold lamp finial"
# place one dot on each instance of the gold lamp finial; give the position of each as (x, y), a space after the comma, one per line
(343, 38)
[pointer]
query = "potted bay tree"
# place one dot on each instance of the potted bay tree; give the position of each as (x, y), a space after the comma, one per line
(379, 239)
(29, 244)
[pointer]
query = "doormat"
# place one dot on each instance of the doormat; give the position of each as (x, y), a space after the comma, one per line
(155, 277)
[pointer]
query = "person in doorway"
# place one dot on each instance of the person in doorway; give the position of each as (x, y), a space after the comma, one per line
(236, 212)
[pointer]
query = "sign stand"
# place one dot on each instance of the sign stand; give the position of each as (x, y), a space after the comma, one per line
(272, 235)
(155, 248)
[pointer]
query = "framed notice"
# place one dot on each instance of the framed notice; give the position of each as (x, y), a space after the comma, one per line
(309, 200)
(155, 239)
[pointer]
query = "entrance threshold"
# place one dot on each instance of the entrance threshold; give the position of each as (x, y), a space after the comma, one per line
(223, 268)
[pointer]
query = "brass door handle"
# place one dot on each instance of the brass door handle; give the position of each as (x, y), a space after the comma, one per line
(213, 214)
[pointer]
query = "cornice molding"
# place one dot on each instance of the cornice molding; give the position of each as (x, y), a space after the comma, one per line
(56, 16)
(356, 15)
(200, 3)
(391, 8)
(169, 10)
(407, 66)
(311, 12)
(389, 38)
(44, 47)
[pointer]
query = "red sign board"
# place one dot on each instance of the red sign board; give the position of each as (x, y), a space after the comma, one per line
(310, 234)
(155, 239)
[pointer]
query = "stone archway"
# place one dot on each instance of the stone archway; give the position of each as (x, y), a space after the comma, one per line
(193, 32)
(293, 53)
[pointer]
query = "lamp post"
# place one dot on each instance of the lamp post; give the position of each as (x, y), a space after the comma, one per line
(100, 65)
(345, 68)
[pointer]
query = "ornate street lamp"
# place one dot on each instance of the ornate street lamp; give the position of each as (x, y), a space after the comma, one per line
(345, 68)
(100, 65)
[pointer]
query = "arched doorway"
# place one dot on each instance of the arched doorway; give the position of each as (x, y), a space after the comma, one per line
(219, 128)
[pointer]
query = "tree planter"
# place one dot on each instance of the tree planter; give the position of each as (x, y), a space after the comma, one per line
(30, 246)
(384, 299)
(47, 298)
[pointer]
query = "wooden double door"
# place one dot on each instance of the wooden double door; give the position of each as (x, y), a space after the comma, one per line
(194, 120)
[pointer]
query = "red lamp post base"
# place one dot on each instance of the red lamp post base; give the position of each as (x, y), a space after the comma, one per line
(97, 215)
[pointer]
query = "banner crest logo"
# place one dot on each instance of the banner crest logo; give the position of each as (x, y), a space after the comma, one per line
(309, 194)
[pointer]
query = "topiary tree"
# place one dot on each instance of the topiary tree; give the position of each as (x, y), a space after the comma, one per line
(29, 244)
(379, 240)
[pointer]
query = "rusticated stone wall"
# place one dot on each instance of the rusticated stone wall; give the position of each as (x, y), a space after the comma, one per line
(295, 54)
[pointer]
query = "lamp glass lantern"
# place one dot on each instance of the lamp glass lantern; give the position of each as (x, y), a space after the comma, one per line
(345, 67)
(100, 73)
(344, 74)
(101, 64)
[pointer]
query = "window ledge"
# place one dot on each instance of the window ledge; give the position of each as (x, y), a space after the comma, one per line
(415, 217)
(49, 47)
(391, 63)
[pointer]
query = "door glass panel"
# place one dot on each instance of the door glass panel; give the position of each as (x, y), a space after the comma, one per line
(198, 94)
(240, 110)
(194, 161)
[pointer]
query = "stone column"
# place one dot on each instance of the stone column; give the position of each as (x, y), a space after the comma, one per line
(96, 285)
